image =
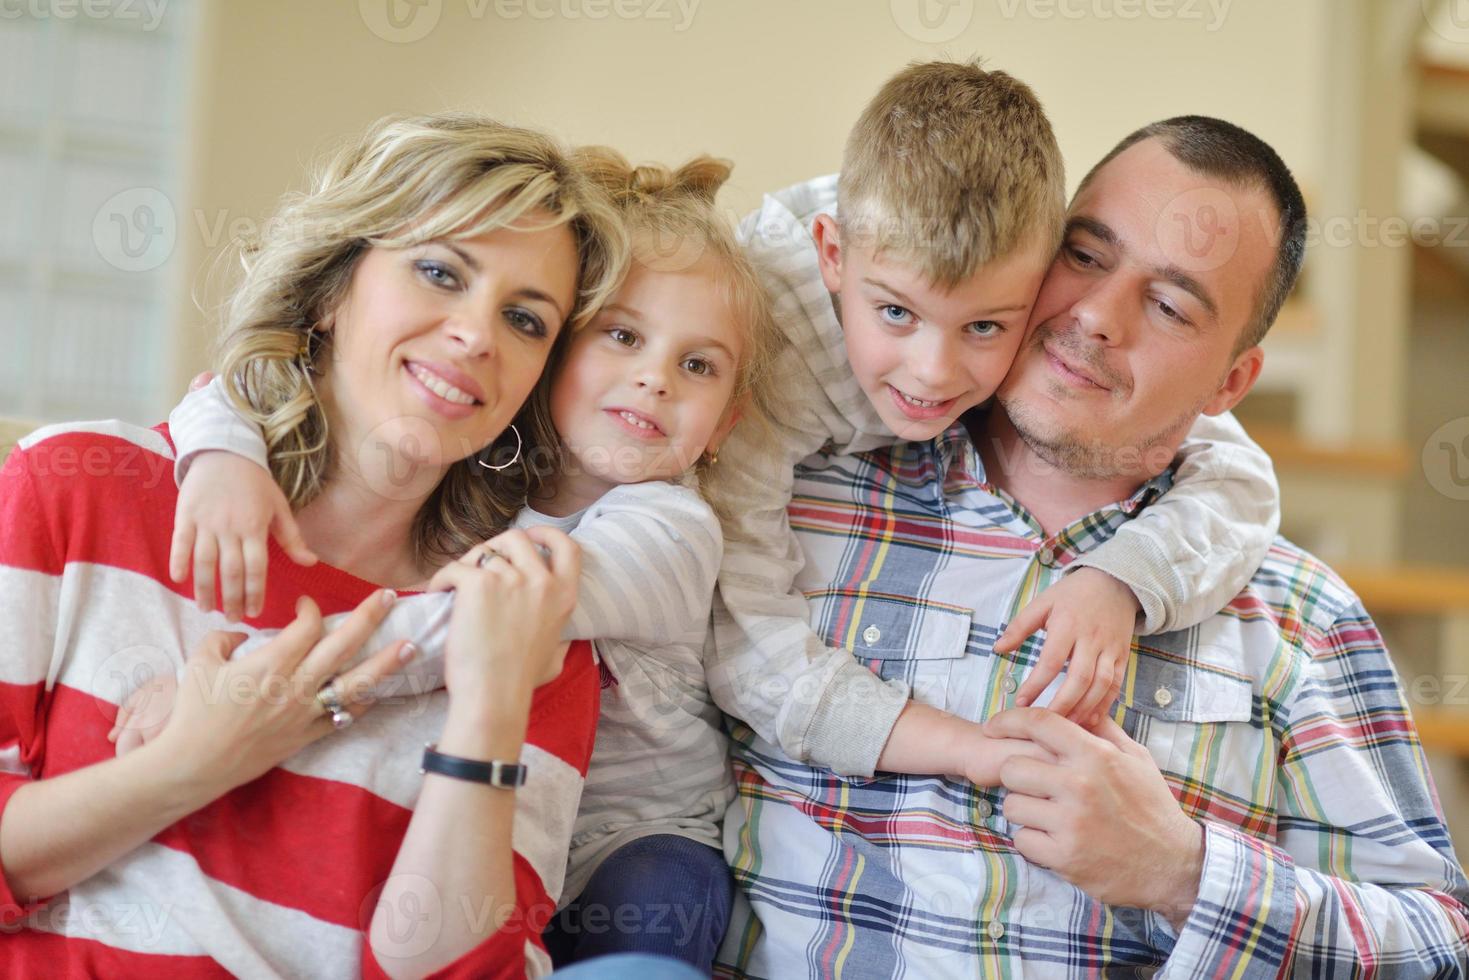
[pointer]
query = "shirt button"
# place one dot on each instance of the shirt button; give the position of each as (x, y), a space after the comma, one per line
(1163, 696)
(995, 929)
(984, 809)
(871, 634)
(1047, 555)
(1009, 684)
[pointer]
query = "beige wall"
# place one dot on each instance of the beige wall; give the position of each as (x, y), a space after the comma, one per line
(773, 84)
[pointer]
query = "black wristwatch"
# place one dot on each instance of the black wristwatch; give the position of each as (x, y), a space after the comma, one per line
(501, 775)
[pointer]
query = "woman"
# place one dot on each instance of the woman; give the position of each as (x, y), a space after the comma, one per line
(389, 328)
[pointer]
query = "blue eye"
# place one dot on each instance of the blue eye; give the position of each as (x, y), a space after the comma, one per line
(986, 328)
(526, 322)
(437, 273)
(894, 314)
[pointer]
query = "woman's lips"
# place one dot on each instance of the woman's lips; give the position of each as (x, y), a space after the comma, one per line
(439, 404)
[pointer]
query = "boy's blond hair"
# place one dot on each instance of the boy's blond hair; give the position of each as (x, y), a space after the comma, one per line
(949, 167)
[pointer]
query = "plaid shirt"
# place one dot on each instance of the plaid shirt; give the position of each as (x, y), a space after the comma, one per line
(1279, 723)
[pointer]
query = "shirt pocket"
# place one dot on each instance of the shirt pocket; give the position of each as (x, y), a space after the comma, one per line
(1194, 716)
(903, 638)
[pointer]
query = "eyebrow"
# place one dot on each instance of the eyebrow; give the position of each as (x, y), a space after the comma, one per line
(1016, 308)
(711, 342)
(624, 308)
(527, 293)
(1169, 273)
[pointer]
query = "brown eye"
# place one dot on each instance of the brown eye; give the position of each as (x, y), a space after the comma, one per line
(697, 365)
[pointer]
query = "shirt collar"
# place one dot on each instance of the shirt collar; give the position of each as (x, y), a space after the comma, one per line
(954, 456)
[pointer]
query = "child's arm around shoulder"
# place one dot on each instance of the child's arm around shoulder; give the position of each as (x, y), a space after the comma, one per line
(1179, 562)
(1197, 546)
(228, 505)
(767, 666)
(650, 555)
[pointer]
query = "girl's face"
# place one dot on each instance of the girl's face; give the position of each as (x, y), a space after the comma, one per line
(646, 387)
(437, 346)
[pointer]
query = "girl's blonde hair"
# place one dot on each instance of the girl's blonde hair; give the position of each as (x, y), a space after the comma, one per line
(404, 182)
(672, 224)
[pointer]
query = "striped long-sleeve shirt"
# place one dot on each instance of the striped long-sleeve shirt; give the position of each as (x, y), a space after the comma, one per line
(1184, 559)
(277, 877)
(1278, 723)
(650, 553)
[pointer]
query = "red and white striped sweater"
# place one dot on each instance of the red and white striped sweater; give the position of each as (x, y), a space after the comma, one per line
(280, 876)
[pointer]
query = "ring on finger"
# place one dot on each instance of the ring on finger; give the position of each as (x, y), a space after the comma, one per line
(486, 556)
(330, 700)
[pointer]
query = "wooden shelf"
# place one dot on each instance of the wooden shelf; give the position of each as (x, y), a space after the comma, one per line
(1409, 590)
(1443, 98)
(1292, 452)
(1443, 730)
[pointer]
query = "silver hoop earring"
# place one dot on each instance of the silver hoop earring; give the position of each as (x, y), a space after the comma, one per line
(515, 459)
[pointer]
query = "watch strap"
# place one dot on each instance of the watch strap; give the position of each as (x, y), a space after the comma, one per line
(501, 775)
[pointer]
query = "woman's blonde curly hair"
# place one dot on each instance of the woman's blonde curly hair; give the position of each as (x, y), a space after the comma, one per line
(404, 182)
(672, 224)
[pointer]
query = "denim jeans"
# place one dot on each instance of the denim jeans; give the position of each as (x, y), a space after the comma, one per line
(630, 966)
(660, 894)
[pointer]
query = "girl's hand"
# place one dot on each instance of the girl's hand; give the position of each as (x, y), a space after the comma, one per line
(227, 508)
(509, 610)
(233, 720)
(144, 714)
(1089, 618)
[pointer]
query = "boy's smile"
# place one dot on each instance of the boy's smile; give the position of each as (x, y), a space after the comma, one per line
(924, 353)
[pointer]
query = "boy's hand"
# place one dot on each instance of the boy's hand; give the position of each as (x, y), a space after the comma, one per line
(227, 508)
(143, 715)
(984, 755)
(1089, 618)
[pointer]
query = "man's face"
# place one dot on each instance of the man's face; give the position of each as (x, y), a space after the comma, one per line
(925, 354)
(1135, 329)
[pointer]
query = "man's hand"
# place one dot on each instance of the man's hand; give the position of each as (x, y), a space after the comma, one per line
(1101, 816)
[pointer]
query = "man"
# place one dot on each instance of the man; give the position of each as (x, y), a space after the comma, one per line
(1263, 806)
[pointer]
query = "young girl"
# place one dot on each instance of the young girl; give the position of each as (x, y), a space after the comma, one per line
(642, 400)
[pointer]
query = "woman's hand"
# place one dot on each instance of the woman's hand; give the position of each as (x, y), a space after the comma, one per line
(233, 720)
(510, 606)
(144, 714)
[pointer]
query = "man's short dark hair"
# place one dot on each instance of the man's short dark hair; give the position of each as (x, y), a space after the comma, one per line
(1221, 149)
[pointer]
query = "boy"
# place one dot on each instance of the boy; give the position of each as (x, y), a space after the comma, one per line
(904, 288)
